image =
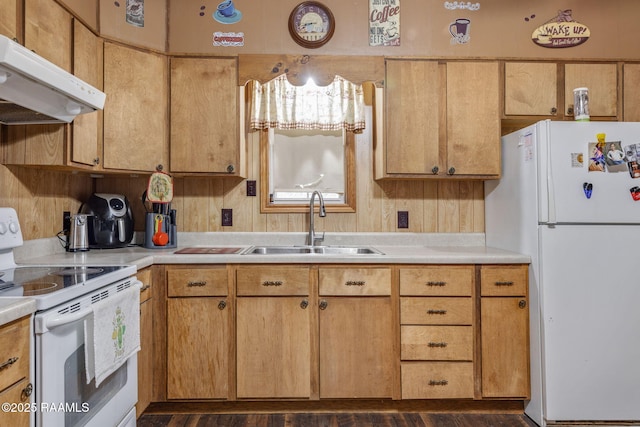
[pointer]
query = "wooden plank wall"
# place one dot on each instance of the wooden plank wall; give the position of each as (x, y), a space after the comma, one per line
(433, 206)
(41, 196)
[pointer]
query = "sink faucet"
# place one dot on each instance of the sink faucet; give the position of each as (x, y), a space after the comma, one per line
(312, 234)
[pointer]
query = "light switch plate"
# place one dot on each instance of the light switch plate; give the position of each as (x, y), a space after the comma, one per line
(403, 219)
(227, 217)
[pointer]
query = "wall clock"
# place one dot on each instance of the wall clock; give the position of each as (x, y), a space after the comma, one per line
(311, 24)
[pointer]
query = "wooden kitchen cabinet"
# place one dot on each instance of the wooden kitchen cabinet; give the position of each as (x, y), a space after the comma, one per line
(440, 120)
(437, 332)
(9, 18)
(273, 332)
(545, 89)
(147, 351)
(631, 96)
(199, 337)
(48, 31)
(86, 129)
(356, 333)
(505, 331)
(205, 125)
(135, 112)
(15, 385)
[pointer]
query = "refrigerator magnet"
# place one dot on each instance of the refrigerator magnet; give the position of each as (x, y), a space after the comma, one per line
(587, 187)
(596, 157)
(635, 193)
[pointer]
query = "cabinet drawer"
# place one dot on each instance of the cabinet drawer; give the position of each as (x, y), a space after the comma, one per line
(436, 342)
(197, 282)
(355, 281)
(14, 352)
(436, 311)
(437, 380)
(272, 281)
(15, 394)
(504, 280)
(437, 281)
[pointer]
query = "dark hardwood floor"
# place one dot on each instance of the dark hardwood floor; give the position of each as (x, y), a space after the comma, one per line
(365, 419)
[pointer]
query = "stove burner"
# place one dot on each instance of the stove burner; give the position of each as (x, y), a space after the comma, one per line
(31, 289)
(74, 271)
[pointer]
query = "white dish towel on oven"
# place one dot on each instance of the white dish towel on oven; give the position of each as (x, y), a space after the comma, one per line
(112, 333)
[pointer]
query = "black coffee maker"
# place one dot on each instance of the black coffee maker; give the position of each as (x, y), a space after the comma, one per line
(110, 221)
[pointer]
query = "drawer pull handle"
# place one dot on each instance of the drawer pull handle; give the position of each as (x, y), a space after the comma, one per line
(272, 283)
(9, 362)
(436, 311)
(222, 305)
(355, 283)
(508, 283)
(144, 288)
(26, 392)
(438, 382)
(197, 283)
(304, 304)
(434, 283)
(437, 344)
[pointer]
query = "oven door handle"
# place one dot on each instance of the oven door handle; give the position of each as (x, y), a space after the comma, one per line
(67, 318)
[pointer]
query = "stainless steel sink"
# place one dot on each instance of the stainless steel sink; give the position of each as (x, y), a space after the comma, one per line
(312, 250)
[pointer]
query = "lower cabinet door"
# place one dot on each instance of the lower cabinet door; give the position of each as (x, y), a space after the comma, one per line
(356, 347)
(273, 339)
(198, 342)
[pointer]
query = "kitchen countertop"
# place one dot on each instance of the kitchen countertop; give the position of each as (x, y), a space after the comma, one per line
(12, 308)
(397, 248)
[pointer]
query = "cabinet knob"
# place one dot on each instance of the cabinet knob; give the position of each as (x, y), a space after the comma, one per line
(96, 161)
(451, 170)
(435, 170)
(230, 168)
(26, 392)
(222, 305)
(554, 110)
(570, 109)
(323, 305)
(304, 304)
(522, 303)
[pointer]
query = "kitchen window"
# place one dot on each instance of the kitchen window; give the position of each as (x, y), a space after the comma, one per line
(307, 142)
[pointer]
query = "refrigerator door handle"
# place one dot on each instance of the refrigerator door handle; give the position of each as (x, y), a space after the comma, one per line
(551, 199)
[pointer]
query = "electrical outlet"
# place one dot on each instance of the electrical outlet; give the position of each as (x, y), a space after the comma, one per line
(403, 219)
(251, 188)
(227, 217)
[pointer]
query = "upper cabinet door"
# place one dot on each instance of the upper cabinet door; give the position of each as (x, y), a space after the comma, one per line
(530, 89)
(86, 143)
(48, 31)
(204, 116)
(631, 92)
(602, 81)
(9, 18)
(135, 112)
(412, 116)
(473, 119)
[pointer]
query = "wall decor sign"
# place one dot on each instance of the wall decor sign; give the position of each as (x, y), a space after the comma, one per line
(228, 39)
(561, 31)
(384, 22)
(453, 5)
(460, 31)
(226, 13)
(135, 12)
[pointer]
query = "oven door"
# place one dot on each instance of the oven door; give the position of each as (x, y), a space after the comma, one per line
(62, 395)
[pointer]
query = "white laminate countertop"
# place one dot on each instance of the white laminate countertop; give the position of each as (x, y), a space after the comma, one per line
(397, 248)
(12, 308)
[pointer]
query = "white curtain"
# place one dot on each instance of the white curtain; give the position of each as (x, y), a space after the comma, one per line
(279, 104)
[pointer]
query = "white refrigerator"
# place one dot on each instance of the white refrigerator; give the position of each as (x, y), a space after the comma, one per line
(569, 201)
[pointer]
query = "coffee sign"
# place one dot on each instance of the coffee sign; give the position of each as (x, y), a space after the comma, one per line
(384, 22)
(561, 31)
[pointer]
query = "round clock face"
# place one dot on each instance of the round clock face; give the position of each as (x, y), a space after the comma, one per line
(311, 24)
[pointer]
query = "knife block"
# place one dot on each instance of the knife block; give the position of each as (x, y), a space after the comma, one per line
(167, 226)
